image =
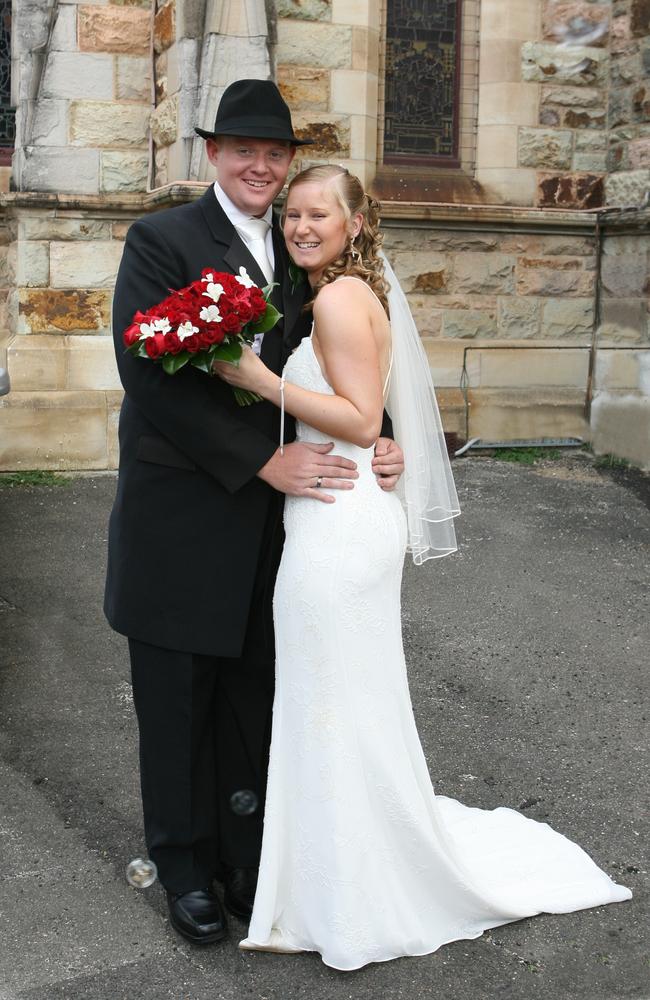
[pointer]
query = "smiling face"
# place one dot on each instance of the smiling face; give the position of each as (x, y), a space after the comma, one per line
(252, 172)
(316, 228)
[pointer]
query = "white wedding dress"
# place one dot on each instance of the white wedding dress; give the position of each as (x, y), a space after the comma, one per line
(361, 861)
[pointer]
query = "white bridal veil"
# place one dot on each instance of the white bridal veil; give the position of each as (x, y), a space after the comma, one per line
(427, 487)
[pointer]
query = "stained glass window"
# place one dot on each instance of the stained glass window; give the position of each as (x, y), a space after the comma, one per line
(422, 82)
(7, 114)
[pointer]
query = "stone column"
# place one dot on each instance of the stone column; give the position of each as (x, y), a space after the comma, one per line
(234, 45)
(506, 102)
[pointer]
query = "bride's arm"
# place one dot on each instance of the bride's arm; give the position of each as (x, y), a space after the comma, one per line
(352, 368)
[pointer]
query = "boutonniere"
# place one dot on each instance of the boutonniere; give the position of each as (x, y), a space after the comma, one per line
(297, 275)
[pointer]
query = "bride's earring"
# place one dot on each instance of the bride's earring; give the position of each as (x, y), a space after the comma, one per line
(354, 253)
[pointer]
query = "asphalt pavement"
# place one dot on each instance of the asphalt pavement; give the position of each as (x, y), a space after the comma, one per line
(528, 662)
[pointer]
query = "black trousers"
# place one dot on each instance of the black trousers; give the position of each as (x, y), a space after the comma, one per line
(205, 728)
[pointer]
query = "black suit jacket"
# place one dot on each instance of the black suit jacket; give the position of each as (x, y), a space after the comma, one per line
(186, 527)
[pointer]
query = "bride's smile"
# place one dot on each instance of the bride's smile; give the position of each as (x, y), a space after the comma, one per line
(316, 228)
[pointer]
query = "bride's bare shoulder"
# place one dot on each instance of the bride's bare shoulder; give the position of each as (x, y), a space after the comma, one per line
(343, 294)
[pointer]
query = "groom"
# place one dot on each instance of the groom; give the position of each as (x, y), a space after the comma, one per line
(196, 534)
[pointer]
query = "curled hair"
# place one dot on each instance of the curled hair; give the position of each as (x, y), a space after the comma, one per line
(360, 257)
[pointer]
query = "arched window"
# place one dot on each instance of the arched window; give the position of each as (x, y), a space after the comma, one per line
(7, 112)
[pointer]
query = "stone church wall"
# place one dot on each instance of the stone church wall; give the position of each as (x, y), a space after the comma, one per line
(503, 274)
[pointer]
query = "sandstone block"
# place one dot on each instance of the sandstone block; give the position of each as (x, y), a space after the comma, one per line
(515, 369)
(64, 170)
(49, 123)
(132, 78)
(114, 29)
(49, 226)
(37, 363)
(305, 10)
(590, 142)
(557, 15)
(53, 430)
(549, 116)
(551, 281)
(360, 12)
(620, 369)
(99, 123)
(507, 104)
(483, 273)
(365, 49)
(420, 271)
(624, 321)
(331, 134)
(123, 171)
(91, 363)
(639, 153)
(363, 137)
(78, 75)
(113, 406)
(620, 425)
(55, 310)
(32, 264)
(626, 275)
(627, 187)
(428, 319)
(96, 267)
(305, 43)
(497, 146)
(572, 97)
(640, 18)
(575, 66)
(518, 318)
(506, 414)
(590, 162)
(570, 191)
(469, 324)
(164, 122)
(164, 32)
(585, 118)
(568, 319)
(353, 92)
(446, 362)
(304, 87)
(540, 147)
(64, 33)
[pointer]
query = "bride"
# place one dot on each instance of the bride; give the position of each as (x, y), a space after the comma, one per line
(361, 861)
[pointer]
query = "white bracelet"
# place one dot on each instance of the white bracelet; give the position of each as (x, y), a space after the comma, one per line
(282, 414)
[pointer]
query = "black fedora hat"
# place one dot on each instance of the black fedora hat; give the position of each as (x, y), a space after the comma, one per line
(254, 108)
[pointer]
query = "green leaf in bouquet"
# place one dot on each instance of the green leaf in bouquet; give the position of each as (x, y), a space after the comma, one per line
(203, 361)
(230, 351)
(174, 362)
(267, 322)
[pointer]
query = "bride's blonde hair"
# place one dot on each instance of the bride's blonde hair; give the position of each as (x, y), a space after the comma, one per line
(360, 257)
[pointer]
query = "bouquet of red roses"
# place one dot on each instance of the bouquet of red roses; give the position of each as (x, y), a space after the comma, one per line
(209, 320)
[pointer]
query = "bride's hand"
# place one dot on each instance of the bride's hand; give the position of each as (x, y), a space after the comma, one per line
(388, 463)
(250, 373)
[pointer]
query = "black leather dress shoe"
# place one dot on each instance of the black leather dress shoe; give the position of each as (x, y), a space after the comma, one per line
(197, 915)
(239, 891)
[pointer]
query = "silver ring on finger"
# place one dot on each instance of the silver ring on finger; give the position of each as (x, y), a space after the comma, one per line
(319, 482)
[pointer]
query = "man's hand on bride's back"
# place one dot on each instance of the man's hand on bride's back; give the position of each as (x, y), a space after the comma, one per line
(309, 470)
(388, 463)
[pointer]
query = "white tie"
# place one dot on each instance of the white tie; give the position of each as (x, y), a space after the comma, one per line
(253, 232)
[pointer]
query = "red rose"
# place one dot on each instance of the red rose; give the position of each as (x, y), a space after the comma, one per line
(155, 346)
(192, 344)
(230, 323)
(213, 334)
(172, 343)
(131, 335)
